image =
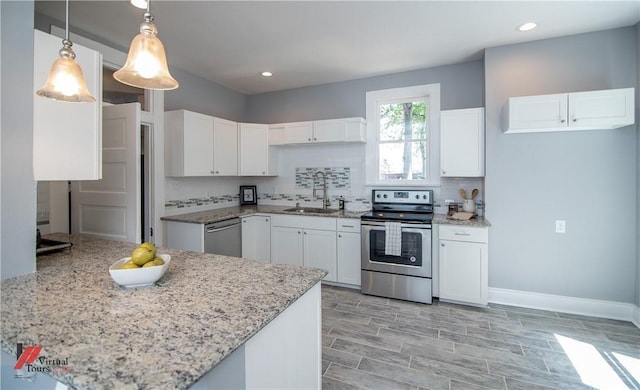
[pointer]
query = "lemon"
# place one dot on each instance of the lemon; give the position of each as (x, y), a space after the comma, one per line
(151, 263)
(158, 260)
(150, 247)
(141, 255)
(129, 265)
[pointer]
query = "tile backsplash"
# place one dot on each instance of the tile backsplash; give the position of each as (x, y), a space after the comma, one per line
(337, 178)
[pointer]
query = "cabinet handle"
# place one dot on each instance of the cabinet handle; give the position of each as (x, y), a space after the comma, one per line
(298, 231)
(462, 234)
(266, 219)
(245, 221)
(315, 139)
(575, 119)
(212, 172)
(442, 244)
(308, 139)
(217, 171)
(444, 172)
(349, 226)
(263, 172)
(562, 120)
(305, 233)
(339, 235)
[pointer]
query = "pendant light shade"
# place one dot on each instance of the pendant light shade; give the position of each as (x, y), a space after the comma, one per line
(146, 65)
(65, 81)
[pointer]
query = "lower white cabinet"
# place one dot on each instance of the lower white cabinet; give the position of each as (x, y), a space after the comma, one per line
(348, 251)
(302, 240)
(464, 266)
(256, 237)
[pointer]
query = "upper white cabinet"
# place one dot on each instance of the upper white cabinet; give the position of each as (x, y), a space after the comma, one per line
(254, 157)
(225, 147)
(290, 133)
(188, 143)
(200, 145)
(462, 143)
(67, 137)
(593, 110)
(323, 131)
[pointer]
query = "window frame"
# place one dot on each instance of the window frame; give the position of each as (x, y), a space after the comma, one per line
(385, 96)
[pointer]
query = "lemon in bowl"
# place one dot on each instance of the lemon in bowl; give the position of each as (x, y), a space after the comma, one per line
(127, 273)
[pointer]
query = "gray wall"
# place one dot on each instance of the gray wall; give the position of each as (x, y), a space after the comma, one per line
(461, 87)
(18, 189)
(638, 173)
(587, 178)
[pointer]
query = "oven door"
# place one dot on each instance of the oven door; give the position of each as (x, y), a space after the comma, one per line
(415, 254)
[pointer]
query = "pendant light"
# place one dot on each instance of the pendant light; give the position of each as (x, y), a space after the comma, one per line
(146, 65)
(65, 81)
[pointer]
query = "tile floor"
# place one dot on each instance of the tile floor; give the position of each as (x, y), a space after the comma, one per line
(378, 343)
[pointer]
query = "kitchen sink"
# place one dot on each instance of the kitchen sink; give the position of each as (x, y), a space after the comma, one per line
(310, 210)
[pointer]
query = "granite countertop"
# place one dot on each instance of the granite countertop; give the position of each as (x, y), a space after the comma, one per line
(164, 336)
(216, 215)
(221, 214)
(442, 219)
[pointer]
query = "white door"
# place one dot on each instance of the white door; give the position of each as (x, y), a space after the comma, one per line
(464, 271)
(225, 147)
(286, 245)
(349, 260)
(538, 112)
(256, 237)
(320, 251)
(110, 208)
(462, 142)
(606, 109)
(254, 149)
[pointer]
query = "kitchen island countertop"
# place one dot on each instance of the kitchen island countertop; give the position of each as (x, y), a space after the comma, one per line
(163, 336)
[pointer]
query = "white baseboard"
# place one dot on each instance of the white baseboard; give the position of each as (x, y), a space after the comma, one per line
(563, 304)
(636, 316)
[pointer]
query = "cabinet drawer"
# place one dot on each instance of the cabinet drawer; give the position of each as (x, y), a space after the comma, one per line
(463, 233)
(348, 225)
(303, 222)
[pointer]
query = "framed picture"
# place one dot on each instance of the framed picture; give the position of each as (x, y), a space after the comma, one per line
(248, 195)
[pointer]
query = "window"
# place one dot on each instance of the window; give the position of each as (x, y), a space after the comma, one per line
(403, 136)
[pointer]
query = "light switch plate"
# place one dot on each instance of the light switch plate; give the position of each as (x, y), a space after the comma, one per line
(561, 226)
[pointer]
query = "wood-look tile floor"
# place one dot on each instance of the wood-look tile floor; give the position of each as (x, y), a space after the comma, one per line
(379, 343)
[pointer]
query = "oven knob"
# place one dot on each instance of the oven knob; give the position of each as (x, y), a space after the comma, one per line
(417, 196)
(384, 196)
(424, 197)
(377, 195)
(412, 259)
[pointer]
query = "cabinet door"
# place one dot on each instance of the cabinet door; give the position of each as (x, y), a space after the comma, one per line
(67, 137)
(286, 245)
(462, 143)
(537, 112)
(320, 251)
(188, 143)
(348, 249)
(464, 271)
(256, 237)
(329, 131)
(225, 147)
(254, 149)
(298, 132)
(601, 109)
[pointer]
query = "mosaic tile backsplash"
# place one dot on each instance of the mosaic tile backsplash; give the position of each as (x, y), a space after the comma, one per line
(337, 178)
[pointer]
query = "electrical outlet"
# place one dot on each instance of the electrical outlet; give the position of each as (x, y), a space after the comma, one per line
(561, 226)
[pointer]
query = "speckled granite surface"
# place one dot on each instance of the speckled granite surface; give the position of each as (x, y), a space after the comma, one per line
(238, 211)
(164, 336)
(441, 219)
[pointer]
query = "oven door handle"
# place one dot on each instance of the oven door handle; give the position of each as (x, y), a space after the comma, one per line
(405, 227)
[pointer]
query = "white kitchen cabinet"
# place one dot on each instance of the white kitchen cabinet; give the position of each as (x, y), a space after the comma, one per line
(339, 130)
(322, 131)
(462, 143)
(188, 143)
(67, 137)
(200, 145)
(287, 245)
(592, 110)
(348, 251)
(225, 147)
(256, 237)
(463, 264)
(254, 157)
(291, 133)
(302, 240)
(320, 251)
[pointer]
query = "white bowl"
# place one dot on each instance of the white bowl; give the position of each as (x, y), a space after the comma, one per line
(138, 277)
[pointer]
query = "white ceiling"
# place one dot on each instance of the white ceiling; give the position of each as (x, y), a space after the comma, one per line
(317, 42)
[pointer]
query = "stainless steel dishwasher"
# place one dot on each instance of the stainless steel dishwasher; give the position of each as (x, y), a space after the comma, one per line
(223, 238)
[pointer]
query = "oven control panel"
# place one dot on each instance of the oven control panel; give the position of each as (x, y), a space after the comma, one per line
(403, 196)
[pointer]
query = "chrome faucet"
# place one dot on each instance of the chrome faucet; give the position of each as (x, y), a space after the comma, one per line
(325, 199)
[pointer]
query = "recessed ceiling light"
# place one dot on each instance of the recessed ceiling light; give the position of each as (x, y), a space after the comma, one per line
(527, 26)
(142, 4)
(267, 74)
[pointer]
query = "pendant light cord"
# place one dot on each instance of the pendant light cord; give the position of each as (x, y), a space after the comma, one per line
(66, 34)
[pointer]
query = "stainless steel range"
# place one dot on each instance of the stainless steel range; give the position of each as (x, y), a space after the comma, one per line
(396, 245)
